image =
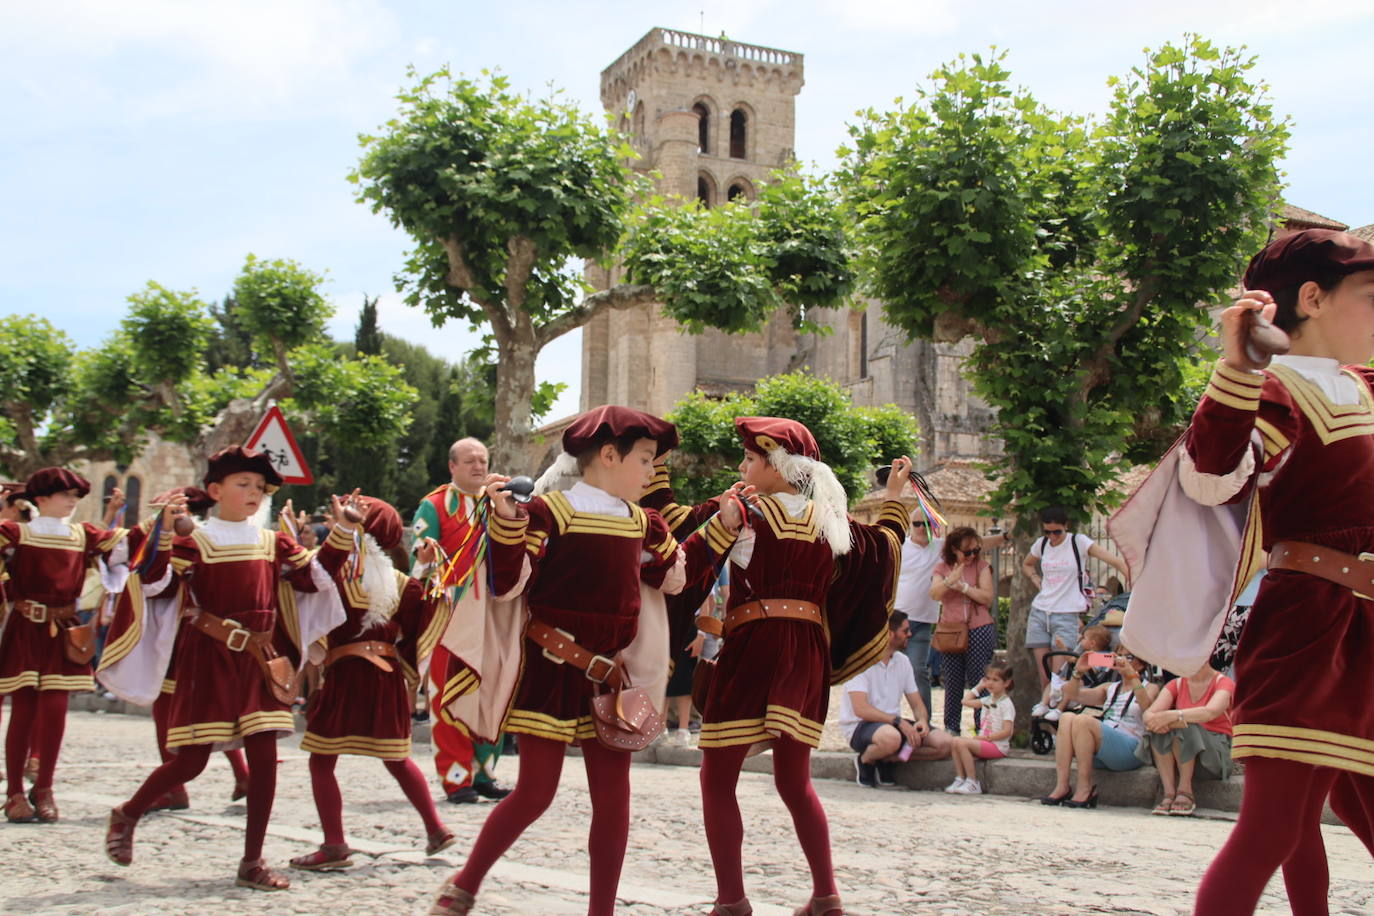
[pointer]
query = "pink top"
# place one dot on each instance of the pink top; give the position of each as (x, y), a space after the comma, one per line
(1178, 689)
(958, 607)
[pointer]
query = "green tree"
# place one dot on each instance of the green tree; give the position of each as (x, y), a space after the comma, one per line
(503, 194)
(852, 440)
(1075, 251)
(368, 338)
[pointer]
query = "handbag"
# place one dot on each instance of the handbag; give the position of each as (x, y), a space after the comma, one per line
(950, 638)
(626, 719)
(78, 641)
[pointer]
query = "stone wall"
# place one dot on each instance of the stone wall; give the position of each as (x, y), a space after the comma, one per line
(161, 466)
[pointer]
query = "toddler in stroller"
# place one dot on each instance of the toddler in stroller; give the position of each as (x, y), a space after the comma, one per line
(1052, 704)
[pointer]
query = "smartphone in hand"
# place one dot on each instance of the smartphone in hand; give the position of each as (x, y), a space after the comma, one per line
(1101, 659)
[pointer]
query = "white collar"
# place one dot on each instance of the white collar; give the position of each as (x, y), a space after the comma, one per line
(794, 503)
(587, 498)
(46, 524)
(232, 534)
(1327, 375)
(1312, 367)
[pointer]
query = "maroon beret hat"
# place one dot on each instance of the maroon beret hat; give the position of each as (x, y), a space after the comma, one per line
(47, 481)
(601, 425)
(236, 459)
(763, 434)
(1300, 257)
(382, 521)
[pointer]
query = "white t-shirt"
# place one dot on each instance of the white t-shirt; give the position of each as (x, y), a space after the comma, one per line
(1060, 590)
(1122, 712)
(885, 683)
(996, 714)
(913, 587)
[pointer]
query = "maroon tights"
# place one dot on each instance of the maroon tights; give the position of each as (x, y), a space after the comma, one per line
(329, 801)
(38, 720)
(720, 768)
(162, 711)
(188, 762)
(541, 764)
(1280, 827)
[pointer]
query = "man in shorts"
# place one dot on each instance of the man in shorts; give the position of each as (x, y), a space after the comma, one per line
(870, 714)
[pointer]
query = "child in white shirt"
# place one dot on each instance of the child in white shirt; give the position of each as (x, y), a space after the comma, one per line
(994, 735)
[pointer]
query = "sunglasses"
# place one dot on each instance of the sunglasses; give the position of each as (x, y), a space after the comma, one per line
(971, 552)
(1054, 531)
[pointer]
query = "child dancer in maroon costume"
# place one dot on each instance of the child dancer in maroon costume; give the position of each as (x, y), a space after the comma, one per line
(363, 706)
(1291, 443)
(231, 570)
(589, 548)
(802, 575)
(47, 564)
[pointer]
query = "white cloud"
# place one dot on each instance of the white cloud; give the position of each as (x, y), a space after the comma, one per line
(145, 59)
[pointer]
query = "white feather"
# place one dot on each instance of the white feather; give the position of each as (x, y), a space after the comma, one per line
(561, 475)
(379, 582)
(814, 480)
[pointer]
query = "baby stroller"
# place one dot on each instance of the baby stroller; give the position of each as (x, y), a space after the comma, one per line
(1041, 737)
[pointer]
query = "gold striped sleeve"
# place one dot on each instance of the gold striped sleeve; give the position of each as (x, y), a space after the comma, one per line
(1235, 388)
(674, 514)
(112, 537)
(1275, 442)
(664, 549)
(659, 481)
(180, 564)
(508, 531)
(718, 537)
(340, 538)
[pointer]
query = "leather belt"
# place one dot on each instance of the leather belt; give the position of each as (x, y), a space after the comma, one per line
(785, 608)
(42, 613)
(560, 646)
(370, 649)
(235, 636)
(1354, 572)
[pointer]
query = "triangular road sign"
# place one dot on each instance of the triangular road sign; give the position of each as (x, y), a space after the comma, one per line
(273, 438)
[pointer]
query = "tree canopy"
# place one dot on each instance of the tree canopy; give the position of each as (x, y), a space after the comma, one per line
(852, 440)
(504, 194)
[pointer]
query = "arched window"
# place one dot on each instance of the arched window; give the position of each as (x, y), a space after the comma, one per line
(706, 190)
(133, 495)
(639, 121)
(739, 122)
(703, 128)
(736, 191)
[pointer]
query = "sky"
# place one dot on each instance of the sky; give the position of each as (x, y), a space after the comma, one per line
(166, 139)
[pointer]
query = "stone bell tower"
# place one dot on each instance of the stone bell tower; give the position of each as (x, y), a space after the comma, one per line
(714, 117)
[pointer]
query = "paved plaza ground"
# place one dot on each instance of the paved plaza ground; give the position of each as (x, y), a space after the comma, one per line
(896, 851)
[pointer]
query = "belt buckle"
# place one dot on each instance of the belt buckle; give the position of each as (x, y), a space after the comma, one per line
(37, 613)
(610, 667)
(1365, 557)
(235, 634)
(554, 658)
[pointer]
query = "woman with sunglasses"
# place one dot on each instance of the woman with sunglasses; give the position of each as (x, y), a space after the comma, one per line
(962, 583)
(1108, 743)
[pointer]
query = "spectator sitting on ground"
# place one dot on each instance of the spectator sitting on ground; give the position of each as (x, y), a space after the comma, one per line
(870, 714)
(1189, 724)
(1109, 742)
(994, 732)
(1052, 703)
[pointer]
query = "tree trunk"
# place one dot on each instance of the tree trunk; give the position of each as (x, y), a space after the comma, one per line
(511, 434)
(1026, 692)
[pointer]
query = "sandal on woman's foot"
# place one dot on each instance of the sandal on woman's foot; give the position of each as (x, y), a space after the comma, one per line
(452, 900)
(329, 857)
(259, 877)
(1184, 805)
(31, 770)
(1165, 806)
(19, 811)
(439, 841)
(821, 906)
(44, 805)
(740, 907)
(119, 837)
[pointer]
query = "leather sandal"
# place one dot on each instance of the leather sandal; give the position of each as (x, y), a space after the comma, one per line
(240, 790)
(119, 837)
(1166, 804)
(31, 770)
(329, 857)
(44, 805)
(740, 907)
(452, 900)
(259, 877)
(440, 841)
(19, 811)
(1184, 805)
(821, 906)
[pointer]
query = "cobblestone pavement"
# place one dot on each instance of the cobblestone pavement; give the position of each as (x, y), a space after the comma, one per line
(896, 851)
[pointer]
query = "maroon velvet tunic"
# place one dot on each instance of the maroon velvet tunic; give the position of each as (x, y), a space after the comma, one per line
(220, 695)
(361, 709)
(585, 581)
(773, 676)
(51, 570)
(1303, 659)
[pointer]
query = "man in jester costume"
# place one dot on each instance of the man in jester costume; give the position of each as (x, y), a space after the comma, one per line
(454, 514)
